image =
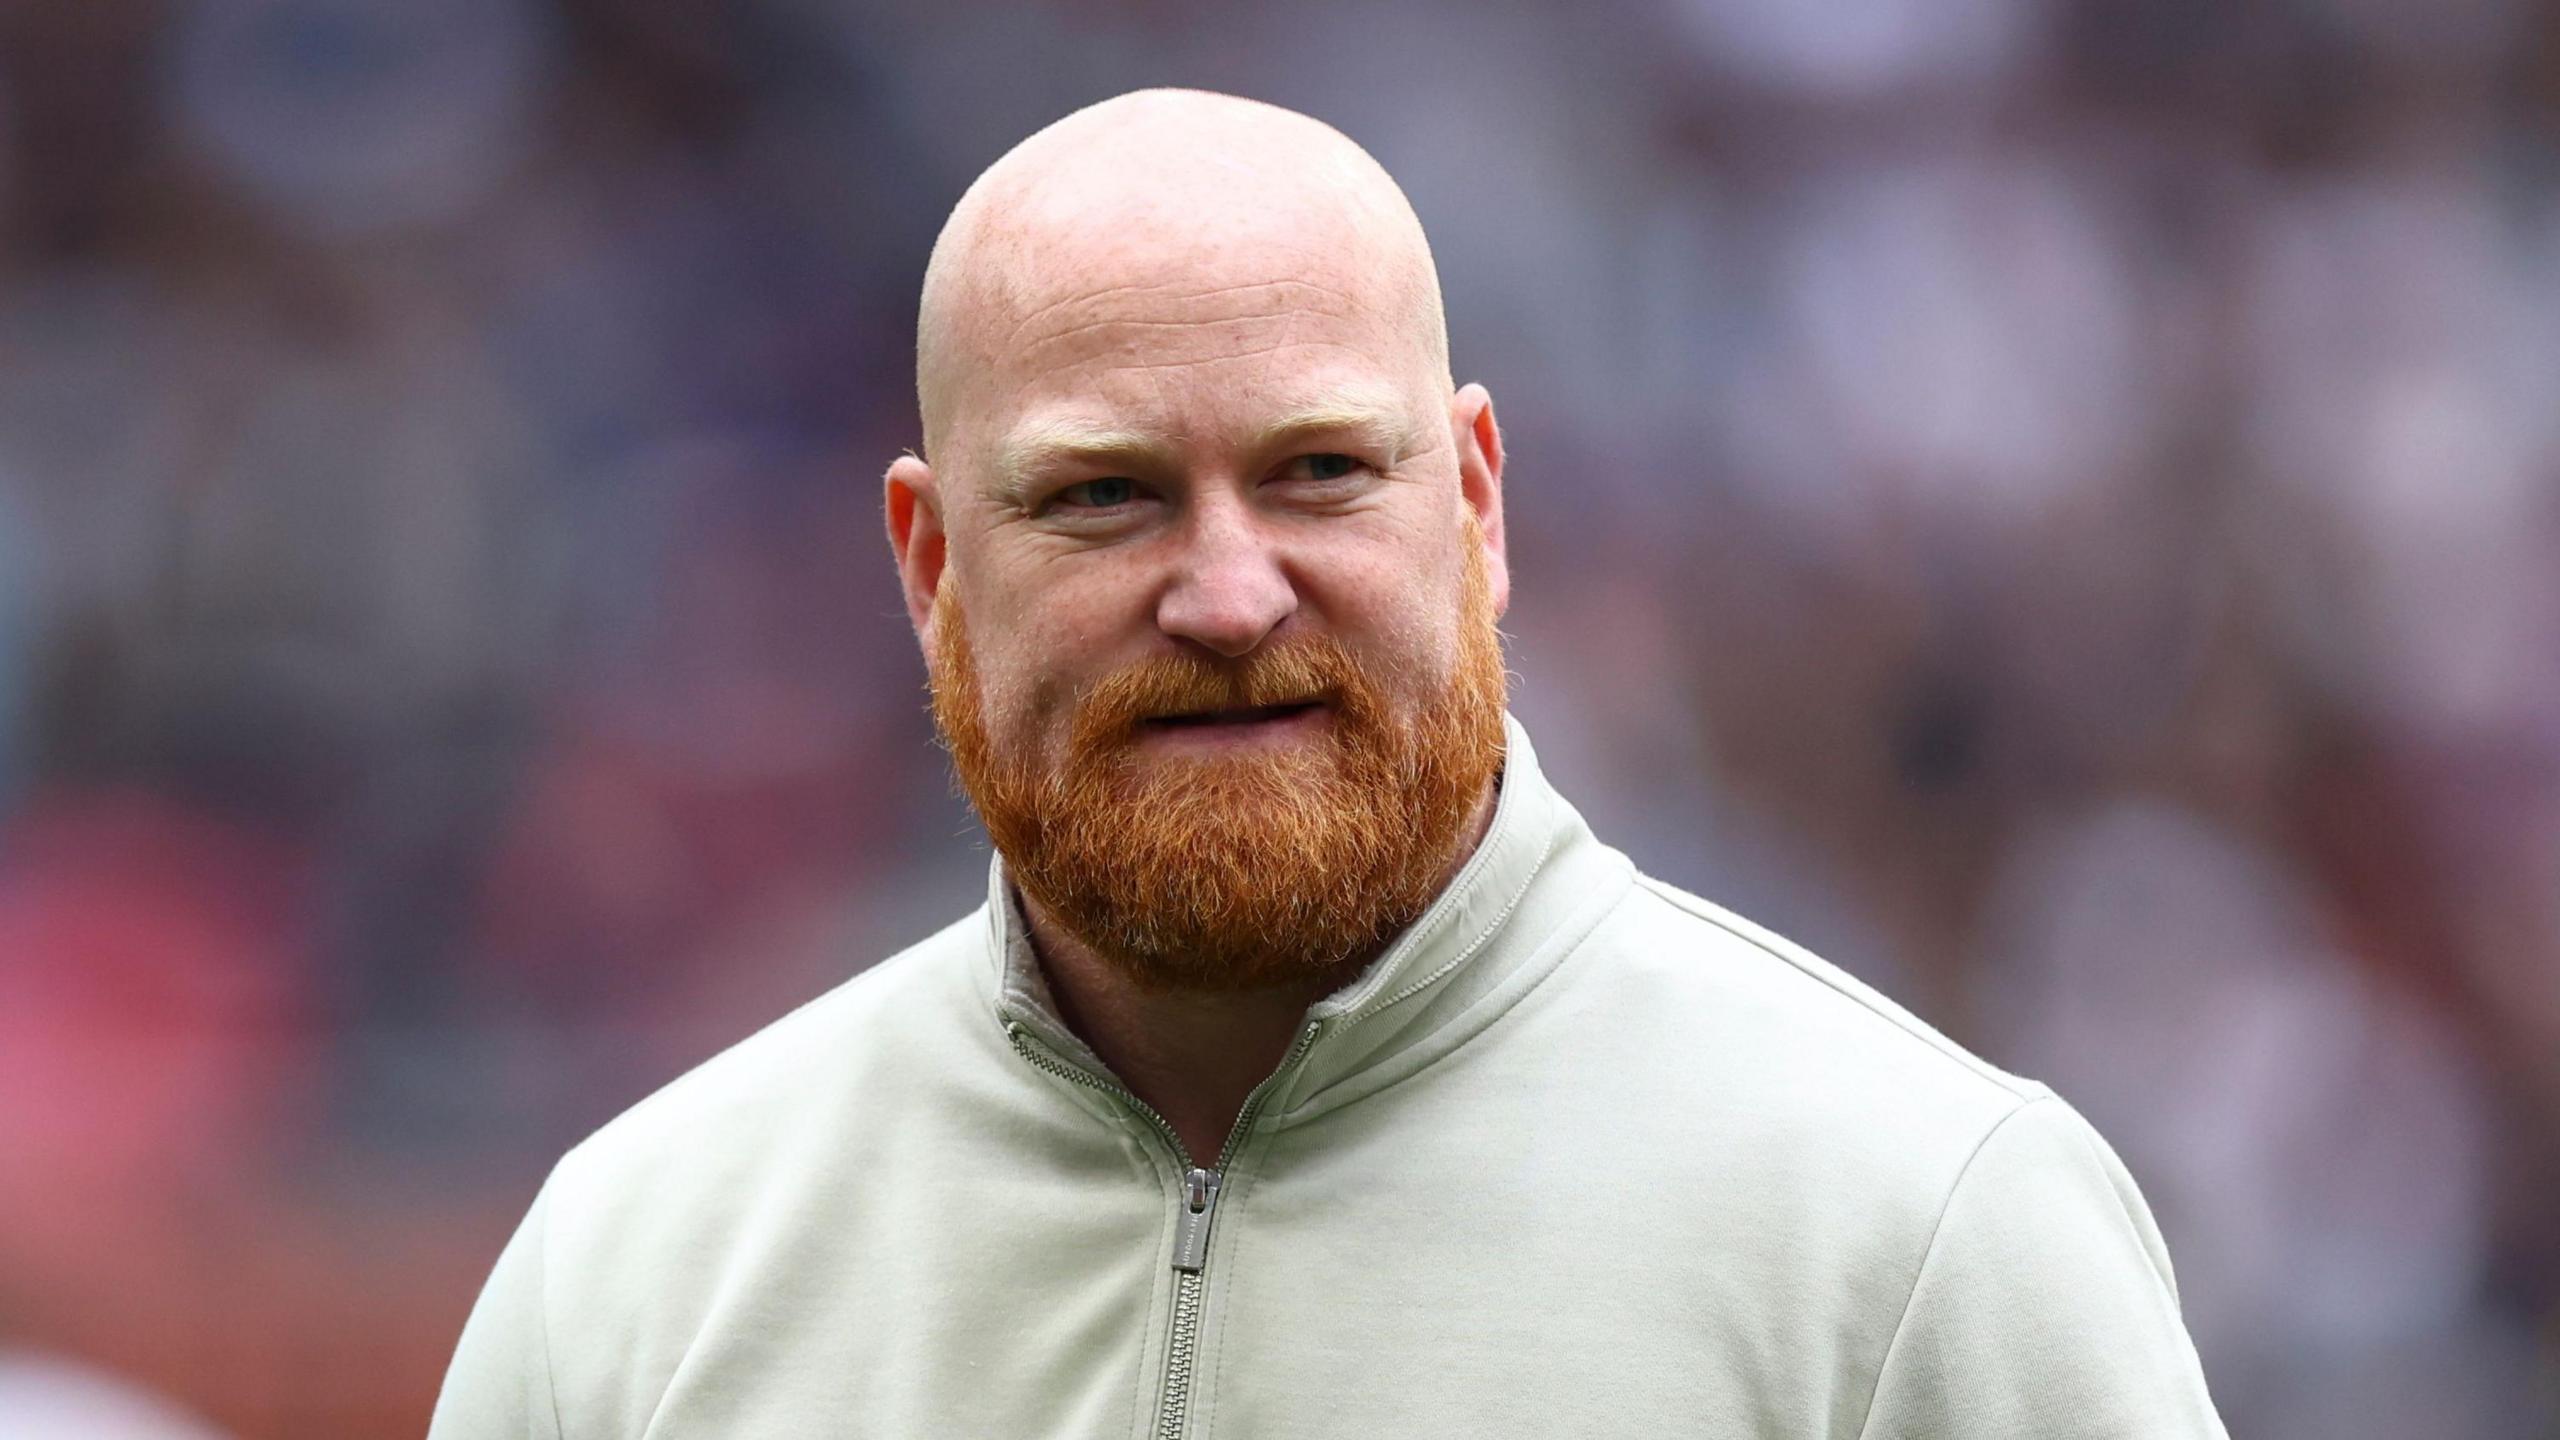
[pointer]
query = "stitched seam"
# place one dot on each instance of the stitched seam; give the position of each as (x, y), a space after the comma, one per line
(2168, 1282)
(1565, 942)
(1688, 905)
(1226, 1287)
(1483, 937)
(1147, 1397)
(542, 1314)
(1929, 1252)
(1506, 797)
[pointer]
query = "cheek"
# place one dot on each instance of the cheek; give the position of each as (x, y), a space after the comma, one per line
(1416, 583)
(1042, 664)
(1022, 692)
(1024, 637)
(1405, 618)
(1075, 617)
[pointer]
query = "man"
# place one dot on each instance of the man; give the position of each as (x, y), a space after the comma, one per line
(1311, 1069)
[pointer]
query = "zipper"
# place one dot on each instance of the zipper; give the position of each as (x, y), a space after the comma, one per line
(1199, 1206)
(1198, 1201)
(1190, 1257)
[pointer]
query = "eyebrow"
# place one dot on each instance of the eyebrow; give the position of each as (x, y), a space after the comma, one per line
(1372, 415)
(1047, 445)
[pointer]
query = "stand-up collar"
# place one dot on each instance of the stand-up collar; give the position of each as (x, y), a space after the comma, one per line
(1535, 884)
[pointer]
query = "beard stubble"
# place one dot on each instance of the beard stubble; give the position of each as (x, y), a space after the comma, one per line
(1237, 872)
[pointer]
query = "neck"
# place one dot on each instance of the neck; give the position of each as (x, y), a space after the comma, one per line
(1194, 1056)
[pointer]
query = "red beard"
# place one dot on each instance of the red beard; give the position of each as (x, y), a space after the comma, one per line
(1237, 872)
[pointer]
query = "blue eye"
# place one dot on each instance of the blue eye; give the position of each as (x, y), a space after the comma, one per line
(1099, 494)
(1330, 467)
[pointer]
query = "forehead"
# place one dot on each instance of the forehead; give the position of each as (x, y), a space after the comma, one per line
(1192, 332)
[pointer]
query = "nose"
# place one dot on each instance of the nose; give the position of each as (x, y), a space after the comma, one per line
(1228, 589)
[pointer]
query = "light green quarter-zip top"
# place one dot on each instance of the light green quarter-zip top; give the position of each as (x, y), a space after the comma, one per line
(1580, 1154)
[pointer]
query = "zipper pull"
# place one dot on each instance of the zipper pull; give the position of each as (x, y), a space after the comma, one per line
(1199, 1206)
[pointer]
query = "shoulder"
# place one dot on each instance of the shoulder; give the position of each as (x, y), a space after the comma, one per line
(1666, 937)
(1805, 1112)
(1755, 1048)
(841, 1063)
(695, 1191)
(1777, 980)
(2044, 1302)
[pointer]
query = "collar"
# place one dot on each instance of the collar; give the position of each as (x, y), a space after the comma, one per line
(1537, 883)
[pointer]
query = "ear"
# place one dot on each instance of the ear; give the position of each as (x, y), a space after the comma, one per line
(1480, 481)
(916, 537)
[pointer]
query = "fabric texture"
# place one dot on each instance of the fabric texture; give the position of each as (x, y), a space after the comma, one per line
(1580, 1154)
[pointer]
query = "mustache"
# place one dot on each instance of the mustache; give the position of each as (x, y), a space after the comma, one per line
(1314, 669)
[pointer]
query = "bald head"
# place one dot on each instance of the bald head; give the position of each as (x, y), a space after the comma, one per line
(1169, 208)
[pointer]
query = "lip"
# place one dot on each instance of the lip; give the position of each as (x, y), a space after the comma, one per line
(1223, 729)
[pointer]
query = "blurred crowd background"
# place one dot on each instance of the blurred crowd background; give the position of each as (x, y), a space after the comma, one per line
(2054, 503)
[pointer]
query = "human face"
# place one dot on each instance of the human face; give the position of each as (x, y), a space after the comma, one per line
(1145, 470)
(1213, 479)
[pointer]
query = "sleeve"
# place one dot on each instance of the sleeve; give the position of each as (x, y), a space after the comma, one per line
(499, 1385)
(2045, 1305)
